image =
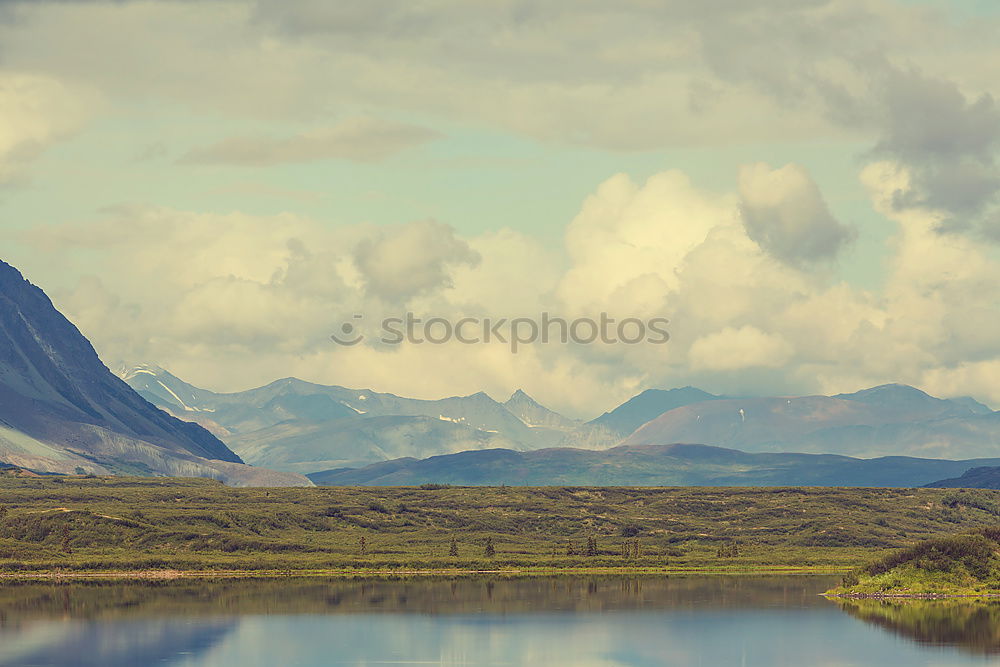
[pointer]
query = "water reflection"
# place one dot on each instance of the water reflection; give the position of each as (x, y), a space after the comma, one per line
(88, 644)
(559, 621)
(969, 624)
(296, 621)
(22, 601)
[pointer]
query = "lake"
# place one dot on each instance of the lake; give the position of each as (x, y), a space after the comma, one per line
(583, 621)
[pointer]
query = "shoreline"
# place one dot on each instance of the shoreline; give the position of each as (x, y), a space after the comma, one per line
(907, 596)
(174, 575)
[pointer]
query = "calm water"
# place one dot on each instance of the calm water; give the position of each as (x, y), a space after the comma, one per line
(587, 621)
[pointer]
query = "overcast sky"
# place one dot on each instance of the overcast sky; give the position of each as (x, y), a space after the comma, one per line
(807, 189)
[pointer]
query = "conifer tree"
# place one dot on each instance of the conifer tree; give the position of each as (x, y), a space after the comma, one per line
(65, 541)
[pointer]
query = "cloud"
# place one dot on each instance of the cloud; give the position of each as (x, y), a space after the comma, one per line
(638, 76)
(744, 274)
(735, 349)
(626, 233)
(356, 139)
(784, 212)
(948, 142)
(401, 262)
(35, 112)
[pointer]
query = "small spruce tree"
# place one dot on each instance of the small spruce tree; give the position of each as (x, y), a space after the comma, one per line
(489, 551)
(453, 550)
(65, 541)
(630, 549)
(731, 550)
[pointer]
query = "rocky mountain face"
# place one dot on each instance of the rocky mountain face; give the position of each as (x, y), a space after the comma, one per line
(536, 415)
(62, 410)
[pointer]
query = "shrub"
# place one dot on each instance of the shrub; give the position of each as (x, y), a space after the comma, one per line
(974, 552)
(982, 500)
(631, 529)
(376, 506)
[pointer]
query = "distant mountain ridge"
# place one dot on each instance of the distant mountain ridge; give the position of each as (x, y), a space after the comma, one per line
(881, 421)
(62, 410)
(649, 465)
(896, 396)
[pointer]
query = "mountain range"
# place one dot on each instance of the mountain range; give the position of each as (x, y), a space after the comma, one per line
(62, 410)
(304, 427)
(308, 428)
(882, 421)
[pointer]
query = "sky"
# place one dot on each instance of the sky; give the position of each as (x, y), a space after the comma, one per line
(807, 189)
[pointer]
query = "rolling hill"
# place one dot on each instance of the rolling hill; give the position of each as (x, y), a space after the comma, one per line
(648, 465)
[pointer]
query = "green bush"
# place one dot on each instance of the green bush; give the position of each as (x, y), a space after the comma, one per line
(630, 530)
(943, 554)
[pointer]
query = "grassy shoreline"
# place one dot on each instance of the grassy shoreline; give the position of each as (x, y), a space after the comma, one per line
(163, 575)
(888, 597)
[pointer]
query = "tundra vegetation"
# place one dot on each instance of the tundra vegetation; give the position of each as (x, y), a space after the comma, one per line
(119, 524)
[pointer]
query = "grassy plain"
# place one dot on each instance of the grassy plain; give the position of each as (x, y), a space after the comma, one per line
(121, 525)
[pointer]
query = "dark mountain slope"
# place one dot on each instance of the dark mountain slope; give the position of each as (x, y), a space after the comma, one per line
(61, 409)
(986, 477)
